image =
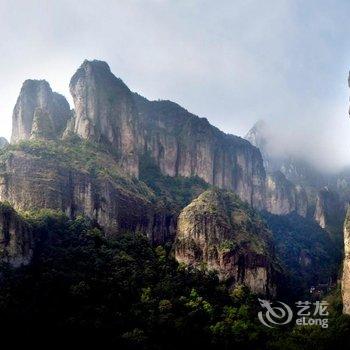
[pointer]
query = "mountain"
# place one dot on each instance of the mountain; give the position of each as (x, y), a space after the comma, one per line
(131, 165)
(295, 168)
(330, 211)
(125, 162)
(181, 143)
(323, 195)
(309, 257)
(184, 145)
(105, 112)
(283, 197)
(39, 113)
(55, 153)
(139, 217)
(16, 240)
(221, 232)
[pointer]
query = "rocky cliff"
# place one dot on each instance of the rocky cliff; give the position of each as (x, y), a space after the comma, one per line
(105, 112)
(183, 144)
(345, 284)
(16, 241)
(218, 232)
(295, 168)
(329, 211)
(283, 197)
(128, 126)
(77, 178)
(39, 112)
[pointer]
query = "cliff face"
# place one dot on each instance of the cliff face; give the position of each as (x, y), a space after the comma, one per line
(105, 112)
(124, 127)
(78, 179)
(16, 241)
(346, 266)
(283, 197)
(258, 136)
(183, 144)
(219, 232)
(297, 170)
(329, 210)
(39, 112)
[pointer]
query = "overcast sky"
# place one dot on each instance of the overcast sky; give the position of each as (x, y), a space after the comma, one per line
(234, 62)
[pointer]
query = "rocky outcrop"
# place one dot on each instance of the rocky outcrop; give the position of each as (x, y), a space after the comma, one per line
(39, 112)
(183, 144)
(78, 179)
(301, 201)
(258, 136)
(105, 112)
(16, 241)
(3, 142)
(126, 127)
(218, 232)
(345, 284)
(283, 197)
(329, 210)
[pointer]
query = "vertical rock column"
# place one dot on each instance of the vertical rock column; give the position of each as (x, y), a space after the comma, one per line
(105, 112)
(346, 266)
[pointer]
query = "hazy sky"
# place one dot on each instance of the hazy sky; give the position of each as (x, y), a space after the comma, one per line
(234, 62)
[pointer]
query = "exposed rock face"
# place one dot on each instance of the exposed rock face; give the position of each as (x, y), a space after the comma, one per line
(283, 197)
(295, 168)
(184, 145)
(301, 201)
(105, 112)
(127, 127)
(258, 136)
(3, 142)
(219, 232)
(16, 241)
(346, 266)
(61, 180)
(39, 112)
(329, 209)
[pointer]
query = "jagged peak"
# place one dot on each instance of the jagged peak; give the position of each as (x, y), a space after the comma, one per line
(36, 97)
(98, 71)
(260, 124)
(95, 64)
(257, 133)
(33, 85)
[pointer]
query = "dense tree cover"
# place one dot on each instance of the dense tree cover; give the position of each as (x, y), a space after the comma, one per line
(308, 254)
(176, 192)
(120, 290)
